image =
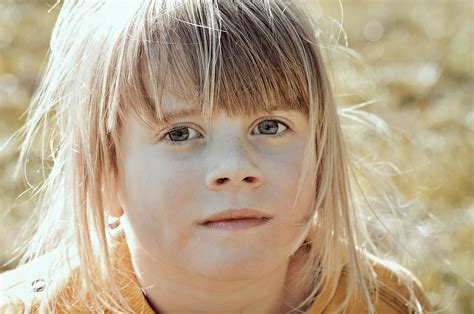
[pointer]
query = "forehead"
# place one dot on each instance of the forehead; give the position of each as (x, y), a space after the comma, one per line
(175, 108)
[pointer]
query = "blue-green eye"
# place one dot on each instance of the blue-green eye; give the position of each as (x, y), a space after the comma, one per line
(271, 127)
(180, 134)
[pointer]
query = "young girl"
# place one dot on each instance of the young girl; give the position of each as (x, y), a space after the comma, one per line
(198, 165)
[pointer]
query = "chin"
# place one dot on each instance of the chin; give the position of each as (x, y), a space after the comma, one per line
(232, 266)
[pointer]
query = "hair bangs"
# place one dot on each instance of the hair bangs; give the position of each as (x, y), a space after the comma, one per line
(241, 58)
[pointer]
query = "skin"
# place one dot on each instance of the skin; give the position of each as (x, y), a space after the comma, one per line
(166, 190)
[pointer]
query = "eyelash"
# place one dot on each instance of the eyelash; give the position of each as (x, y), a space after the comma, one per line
(184, 126)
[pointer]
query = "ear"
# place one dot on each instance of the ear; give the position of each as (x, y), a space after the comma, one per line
(112, 198)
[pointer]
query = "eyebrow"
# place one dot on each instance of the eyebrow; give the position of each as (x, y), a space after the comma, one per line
(194, 112)
(172, 116)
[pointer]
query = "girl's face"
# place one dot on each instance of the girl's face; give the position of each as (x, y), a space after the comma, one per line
(172, 180)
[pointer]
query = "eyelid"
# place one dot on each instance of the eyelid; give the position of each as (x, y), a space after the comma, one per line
(278, 120)
(161, 136)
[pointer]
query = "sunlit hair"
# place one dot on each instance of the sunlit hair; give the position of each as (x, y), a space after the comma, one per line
(112, 58)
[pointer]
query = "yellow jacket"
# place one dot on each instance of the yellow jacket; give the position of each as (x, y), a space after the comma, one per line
(21, 288)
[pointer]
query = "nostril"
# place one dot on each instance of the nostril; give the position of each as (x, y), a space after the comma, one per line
(249, 179)
(222, 180)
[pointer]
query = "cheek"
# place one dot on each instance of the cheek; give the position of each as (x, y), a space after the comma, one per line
(284, 174)
(157, 192)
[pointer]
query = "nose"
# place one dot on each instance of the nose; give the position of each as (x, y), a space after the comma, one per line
(233, 169)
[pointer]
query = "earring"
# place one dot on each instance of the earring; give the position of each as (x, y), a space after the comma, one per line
(112, 222)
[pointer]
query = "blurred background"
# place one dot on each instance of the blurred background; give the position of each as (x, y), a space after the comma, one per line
(417, 62)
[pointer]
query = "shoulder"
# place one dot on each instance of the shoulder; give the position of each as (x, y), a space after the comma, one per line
(25, 288)
(52, 283)
(397, 291)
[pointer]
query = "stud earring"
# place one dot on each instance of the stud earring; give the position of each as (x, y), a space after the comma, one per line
(112, 222)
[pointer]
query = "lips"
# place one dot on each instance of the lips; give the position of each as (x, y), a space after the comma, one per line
(236, 214)
(235, 224)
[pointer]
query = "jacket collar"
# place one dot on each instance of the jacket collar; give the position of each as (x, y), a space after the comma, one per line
(125, 277)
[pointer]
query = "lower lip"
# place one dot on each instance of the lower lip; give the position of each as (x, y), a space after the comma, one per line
(236, 224)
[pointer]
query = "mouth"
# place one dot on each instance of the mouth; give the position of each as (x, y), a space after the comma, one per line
(236, 219)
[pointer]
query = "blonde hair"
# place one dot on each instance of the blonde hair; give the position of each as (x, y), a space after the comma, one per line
(241, 57)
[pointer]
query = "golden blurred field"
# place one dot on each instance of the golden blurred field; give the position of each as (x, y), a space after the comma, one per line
(419, 58)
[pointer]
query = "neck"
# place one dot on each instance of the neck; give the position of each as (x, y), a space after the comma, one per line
(273, 292)
(183, 293)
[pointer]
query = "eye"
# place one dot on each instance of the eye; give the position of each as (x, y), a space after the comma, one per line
(180, 134)
(271, 127)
